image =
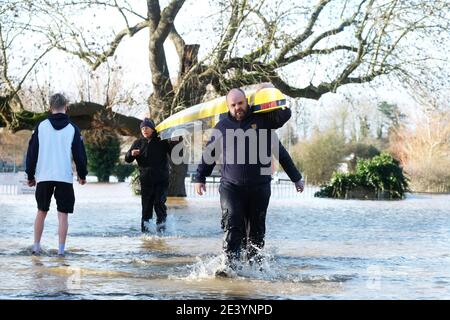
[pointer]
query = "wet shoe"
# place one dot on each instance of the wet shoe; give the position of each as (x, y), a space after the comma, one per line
(161, 227)
(228, 270)
(223, 273)
(144, 226)
(36, 250)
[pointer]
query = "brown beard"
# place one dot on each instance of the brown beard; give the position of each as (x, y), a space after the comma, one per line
(241, 116)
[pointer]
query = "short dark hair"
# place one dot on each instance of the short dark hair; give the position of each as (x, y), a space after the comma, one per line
(58, 101)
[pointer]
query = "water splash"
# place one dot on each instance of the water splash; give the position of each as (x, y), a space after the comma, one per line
(169, 227)
(205, 268)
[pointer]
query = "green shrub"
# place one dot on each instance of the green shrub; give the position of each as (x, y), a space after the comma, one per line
(103, 151)
(384, 173)
(379, 174)
(326, 191)
(135, 182)
(123, 171)
(360, 151)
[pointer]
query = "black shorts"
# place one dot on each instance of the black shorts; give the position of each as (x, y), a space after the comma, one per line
(64, 195)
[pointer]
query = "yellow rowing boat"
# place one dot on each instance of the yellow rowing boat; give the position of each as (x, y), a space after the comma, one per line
(207, 114)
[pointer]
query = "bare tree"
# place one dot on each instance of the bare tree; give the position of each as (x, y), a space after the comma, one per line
(20, 22)
(333, 43)
(424, 151)
(12, 110)
(360, 39)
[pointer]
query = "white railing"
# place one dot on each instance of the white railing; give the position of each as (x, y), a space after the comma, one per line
(12, 183)
(15, 183)
(279, 190)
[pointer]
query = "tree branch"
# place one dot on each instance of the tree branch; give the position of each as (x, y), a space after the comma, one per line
(303, 54)
(19, 86)
(4, 60)
(153, 14)
(122, 13)
(93, 59)
(306, 33)
(264, 49)
(178, 41)
(106, 4)
(115, 43)
(165, 24)
(161, 24)
(315, 92)
(231, 30)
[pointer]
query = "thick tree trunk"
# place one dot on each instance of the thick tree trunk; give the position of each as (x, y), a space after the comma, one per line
(192, 93)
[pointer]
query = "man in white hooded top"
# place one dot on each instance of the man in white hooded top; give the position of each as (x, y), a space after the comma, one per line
(55, 141)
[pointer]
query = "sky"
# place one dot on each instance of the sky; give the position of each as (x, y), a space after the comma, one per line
(67, 75)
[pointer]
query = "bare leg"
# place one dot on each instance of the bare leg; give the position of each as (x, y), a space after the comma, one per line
(38, 229)
(62, 230)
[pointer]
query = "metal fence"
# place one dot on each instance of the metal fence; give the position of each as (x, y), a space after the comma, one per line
(281, 189)
(9, 189)
(12, 183)
(8, 183)
(15, 183)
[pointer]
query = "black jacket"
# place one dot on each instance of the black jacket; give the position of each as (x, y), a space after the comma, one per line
(247, 173)
(287, 164)
(153, 159)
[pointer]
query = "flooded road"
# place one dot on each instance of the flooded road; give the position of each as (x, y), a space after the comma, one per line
(315, 249)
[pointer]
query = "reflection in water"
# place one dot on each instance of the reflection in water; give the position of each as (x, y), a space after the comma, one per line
(154, 243)
(315, 249)
(47, 284)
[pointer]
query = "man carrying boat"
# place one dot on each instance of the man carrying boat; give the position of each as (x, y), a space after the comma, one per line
(246, 175)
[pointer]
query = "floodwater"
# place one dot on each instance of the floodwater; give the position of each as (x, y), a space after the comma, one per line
(315, 249)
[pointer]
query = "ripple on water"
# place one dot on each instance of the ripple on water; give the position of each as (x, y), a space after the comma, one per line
(315, 248)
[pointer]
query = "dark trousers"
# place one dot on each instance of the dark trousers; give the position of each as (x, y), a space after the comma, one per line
(243, 218)
(154, 196)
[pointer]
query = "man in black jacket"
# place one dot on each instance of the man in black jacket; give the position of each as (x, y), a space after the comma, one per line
(151, 154)
(245, 185)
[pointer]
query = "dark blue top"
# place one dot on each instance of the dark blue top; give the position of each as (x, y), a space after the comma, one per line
(249, 172)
